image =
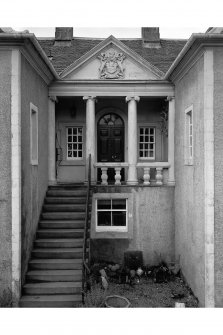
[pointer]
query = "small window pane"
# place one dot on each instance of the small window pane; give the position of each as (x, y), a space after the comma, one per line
(119, 219)
(119, 203)
(104, 219)
(104, 204)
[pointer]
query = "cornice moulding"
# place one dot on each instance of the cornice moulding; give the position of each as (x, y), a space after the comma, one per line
(33, 52)
(196, 41)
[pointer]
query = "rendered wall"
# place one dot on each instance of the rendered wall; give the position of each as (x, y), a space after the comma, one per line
(72, 111)
(218, 183)
(189, 189)
(153, 227)
(34, 178)
(5, 177)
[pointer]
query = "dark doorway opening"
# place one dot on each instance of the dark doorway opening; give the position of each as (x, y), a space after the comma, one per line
(111, 142)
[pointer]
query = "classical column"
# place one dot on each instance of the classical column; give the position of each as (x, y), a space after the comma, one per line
(171, 126)
(51, 141)
(90, 134)
(132, 139)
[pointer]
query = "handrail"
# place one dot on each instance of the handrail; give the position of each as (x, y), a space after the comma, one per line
(85, 268)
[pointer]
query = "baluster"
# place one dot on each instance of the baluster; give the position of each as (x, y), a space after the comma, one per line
(104, 176)
(159, 176)
(118, 175)
(146, 176)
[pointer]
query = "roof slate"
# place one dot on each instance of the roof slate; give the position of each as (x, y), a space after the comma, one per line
(63, 56)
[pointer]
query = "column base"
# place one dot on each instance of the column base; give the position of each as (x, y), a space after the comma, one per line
(93, 182)
(132, 182)
(171, 182)
(52, 182)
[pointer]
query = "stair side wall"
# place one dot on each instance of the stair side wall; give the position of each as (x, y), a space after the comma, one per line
(218, 176)
(34, 177)
(5, 178)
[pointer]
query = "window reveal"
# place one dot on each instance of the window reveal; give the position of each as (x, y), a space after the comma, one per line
(74, 142)
(111, 214)
(33, 134)
(189, 136)
(147, 143)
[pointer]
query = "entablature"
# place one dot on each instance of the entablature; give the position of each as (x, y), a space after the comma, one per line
(110, 88)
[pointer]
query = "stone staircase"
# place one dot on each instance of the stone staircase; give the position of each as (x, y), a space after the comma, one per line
(54, 277)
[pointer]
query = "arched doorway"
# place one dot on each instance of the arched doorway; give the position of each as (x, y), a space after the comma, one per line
(111, 134)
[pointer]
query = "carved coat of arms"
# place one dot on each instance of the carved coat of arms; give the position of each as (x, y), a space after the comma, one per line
(111, 65)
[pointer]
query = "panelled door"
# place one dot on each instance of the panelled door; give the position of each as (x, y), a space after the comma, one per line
(111, 142)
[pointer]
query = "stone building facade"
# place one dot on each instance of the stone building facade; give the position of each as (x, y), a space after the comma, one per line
(148, 111)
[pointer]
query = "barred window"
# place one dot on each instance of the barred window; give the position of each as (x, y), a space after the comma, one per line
(74, 142)
(147, 142)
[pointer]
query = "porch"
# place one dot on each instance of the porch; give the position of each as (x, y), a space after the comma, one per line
(130, 138)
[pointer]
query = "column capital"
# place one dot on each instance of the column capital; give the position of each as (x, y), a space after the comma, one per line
(89, 97)
(53, 98)
(170, 98)
(128, 98)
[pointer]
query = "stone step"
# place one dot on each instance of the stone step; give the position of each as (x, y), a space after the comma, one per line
(57, 253)
(66, 193)
(55, 264)
(51, 300)
(59, 243)
(65, 200)
(70, 186)
(62, 224)
(53, 275)
(63, 215)
(64, 208)
(52, 288)
(59, 233)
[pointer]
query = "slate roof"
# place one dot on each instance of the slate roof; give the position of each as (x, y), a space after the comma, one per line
(63, 56)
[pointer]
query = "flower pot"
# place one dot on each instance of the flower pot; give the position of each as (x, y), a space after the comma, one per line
(116, 301)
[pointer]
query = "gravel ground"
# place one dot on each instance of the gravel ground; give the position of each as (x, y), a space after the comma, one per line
(146, 293)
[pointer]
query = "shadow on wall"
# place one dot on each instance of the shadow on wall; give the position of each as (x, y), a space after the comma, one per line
(109, 250)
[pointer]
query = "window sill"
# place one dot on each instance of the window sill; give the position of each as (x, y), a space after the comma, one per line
(71, 162)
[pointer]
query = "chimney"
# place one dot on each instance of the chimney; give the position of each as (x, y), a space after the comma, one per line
(63, 36)
(151, 37)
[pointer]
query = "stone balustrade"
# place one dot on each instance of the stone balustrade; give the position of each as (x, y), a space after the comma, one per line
(104, 171)
(147, 167)
(158, 166)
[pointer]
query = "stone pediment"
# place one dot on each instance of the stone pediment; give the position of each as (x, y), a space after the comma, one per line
(111, 60)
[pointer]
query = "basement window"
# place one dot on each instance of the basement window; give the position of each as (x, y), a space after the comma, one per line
(111, 215)
(33, 134)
